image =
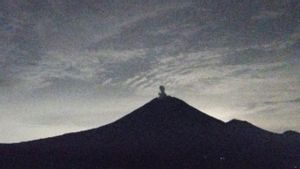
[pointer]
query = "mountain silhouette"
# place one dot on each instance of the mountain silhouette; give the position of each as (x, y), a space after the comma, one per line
(164, 133)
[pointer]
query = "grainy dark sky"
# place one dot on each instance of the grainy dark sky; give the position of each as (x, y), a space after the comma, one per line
(69, 65)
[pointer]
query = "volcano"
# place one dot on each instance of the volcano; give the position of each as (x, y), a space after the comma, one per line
(165, 133)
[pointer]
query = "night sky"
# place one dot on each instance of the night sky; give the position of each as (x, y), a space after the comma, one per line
(71, 65)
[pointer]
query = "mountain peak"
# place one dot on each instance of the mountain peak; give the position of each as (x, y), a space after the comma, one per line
(165, 101)
(169, 112)
(291, 132)
(244, 126)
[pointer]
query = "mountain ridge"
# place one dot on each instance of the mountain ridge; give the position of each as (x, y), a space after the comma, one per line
(164, 133)
(230, 123)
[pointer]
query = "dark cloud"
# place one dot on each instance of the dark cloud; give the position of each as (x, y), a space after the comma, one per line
(297, 100)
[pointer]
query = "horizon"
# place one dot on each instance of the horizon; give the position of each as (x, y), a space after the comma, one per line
(124, 115)
(71, 66)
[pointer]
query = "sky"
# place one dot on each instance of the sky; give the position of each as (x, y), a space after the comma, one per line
(72, 65)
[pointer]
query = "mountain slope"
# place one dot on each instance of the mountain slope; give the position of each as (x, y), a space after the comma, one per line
(164, 133)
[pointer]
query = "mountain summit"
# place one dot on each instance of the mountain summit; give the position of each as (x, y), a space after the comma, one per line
(164, 133)
(167, 111)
